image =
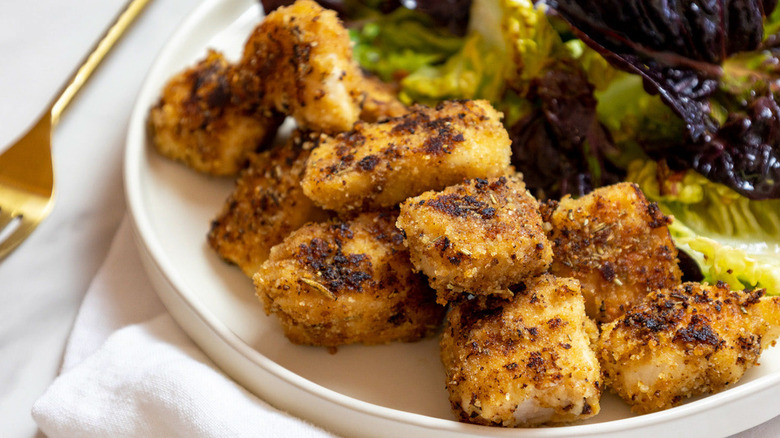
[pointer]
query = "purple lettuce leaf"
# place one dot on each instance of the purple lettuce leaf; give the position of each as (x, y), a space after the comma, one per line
(679, 47)
(560, 147)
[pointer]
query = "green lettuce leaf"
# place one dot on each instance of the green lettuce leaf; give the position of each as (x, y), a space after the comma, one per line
(509, 45)
(772, 24)
(532, 42)
(473, 73)
(635, 118)
(732, 238)
(599, 71)
(402, 42)
(477, 71)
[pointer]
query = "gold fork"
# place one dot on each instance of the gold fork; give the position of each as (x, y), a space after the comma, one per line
(26, 174)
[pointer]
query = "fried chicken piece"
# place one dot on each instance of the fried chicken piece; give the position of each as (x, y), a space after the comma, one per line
(684, 341)
(202, 123)
(481, 237)
(266, 204)
(382, 164)
(616, 244)
(299, 61)
(524, 362)
(379, 101)
(343, 282)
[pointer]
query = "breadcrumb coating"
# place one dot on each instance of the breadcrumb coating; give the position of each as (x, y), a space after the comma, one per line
(266, 204)
(616, 244)
(381, 164)
(347, 281)
(684, 341)
(481, 237)
(523, 362)
(202, 123)
(299, 61)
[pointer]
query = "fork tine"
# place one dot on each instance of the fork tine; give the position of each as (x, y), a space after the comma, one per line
(5, 218)
(30, 214)
(17, 236)
(24, 228)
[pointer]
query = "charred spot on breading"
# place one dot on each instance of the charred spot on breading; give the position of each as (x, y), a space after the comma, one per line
(368, 162)
(658, 219)
(351, 139)
(608, 271)
(334, 269)
(212, 87)
(443, 137)
(476, 313)
(698, 330)
(411, 122)
(556, 322)
(586, 409)
(442, 131)
(461, 206)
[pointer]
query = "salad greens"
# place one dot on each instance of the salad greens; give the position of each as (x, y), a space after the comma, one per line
(430, 63)
(692, 54)
(732, 238)
(677, 96)
(474, 72)
(402, 42)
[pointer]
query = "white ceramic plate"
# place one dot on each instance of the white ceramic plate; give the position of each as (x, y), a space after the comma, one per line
(393, 390)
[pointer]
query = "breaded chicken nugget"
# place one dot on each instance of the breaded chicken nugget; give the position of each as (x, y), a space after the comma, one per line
(616, 244)
(299, 60)
(343, 282)
(265, 206)
(381, 164)
(684, 341)
(524, 362)
(481, 237)
(202, 123)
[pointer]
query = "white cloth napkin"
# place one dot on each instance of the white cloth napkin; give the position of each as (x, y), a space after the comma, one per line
(130, 371)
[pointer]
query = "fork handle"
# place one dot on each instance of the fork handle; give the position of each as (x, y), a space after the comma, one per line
(112, 35)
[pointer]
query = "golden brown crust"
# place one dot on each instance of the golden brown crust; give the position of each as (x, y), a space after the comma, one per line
(201, 122)
(299, 61)
(265, 206)
(480, 237)
(524, 362)
(616, 244)
(688, 340)
(343, 282)
(381, 164)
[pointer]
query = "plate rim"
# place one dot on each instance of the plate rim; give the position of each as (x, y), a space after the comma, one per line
(136, 150)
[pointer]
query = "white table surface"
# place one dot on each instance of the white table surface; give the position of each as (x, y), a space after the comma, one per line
(43, 282)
